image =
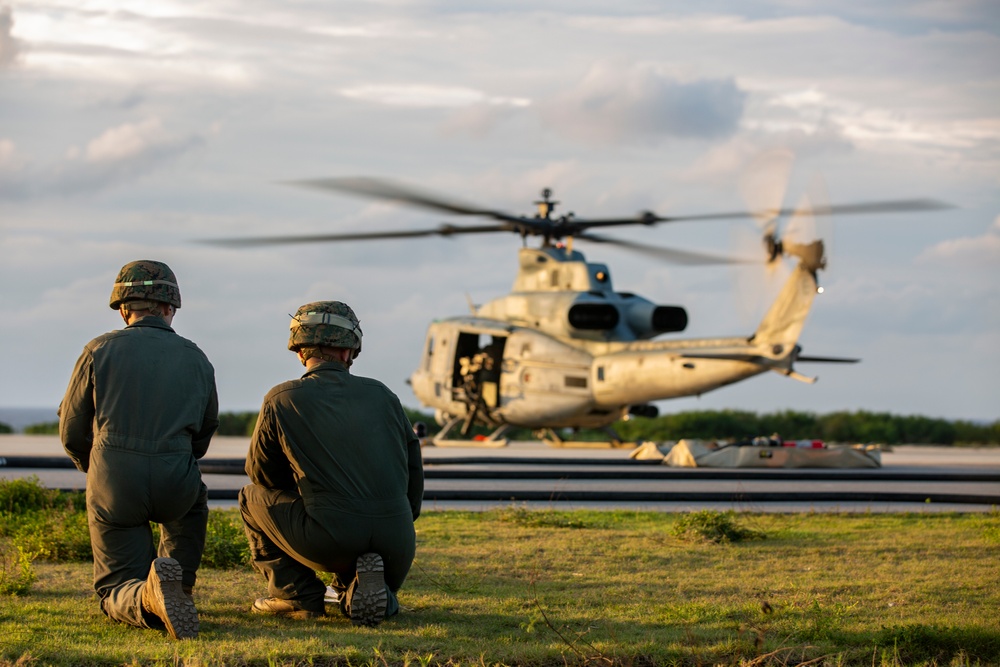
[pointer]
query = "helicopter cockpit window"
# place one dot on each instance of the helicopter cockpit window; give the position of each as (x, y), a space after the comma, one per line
(430, 352)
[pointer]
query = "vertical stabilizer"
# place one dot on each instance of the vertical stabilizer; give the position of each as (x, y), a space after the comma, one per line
(783, 322)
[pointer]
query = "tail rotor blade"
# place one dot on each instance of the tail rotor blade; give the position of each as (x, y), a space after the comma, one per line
(764, 184)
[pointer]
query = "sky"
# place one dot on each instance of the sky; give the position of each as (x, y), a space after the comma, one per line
(136, 130)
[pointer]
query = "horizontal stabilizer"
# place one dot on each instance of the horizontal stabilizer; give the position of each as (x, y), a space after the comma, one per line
(828, 360)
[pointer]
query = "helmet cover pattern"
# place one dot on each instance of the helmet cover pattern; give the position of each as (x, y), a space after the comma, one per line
(325, 323)
(146, 279)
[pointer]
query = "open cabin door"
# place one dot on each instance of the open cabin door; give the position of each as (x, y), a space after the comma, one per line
(476, 371)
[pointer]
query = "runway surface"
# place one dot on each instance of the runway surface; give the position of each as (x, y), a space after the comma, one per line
(911, 479)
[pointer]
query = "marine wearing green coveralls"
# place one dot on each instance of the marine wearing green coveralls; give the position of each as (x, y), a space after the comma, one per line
(140, 408)
(337, 480)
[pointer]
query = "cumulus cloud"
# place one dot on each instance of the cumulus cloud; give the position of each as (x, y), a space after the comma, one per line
(727, 161)
(117, 155)
(969, 251)
(612, 103)
(9, 46)
(122, 152)
(126, 141)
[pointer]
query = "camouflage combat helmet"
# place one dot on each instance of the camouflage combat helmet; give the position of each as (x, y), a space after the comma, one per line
(146, 280)
(327, 323)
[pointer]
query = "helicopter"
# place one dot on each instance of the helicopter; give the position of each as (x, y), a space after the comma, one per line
(564, 350)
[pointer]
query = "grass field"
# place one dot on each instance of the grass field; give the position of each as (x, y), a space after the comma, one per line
(520, 587)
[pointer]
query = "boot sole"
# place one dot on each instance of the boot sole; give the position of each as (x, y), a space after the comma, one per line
(181, 616)
(370, 599)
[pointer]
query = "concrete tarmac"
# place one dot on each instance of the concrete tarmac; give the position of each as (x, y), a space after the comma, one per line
(972, 472)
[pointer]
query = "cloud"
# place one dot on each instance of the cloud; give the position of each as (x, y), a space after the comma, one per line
(428, 96)
(612, 103)
(9, 46)
(473, 112)
(126, 142)
(969, 251)
(727, 162)
(117, 155)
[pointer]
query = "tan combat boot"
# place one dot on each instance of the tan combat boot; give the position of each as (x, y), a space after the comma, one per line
(285, 608)
(369, 598)
(163, 595)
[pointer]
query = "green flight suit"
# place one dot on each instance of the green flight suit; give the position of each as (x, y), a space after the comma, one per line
(140, 408)
(336, 472)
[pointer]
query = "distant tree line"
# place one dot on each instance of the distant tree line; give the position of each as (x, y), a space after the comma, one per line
(237, 423)
(44, 428)
(853, 427)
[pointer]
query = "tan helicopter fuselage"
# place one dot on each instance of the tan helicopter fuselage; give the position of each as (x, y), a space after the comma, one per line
(563, 349)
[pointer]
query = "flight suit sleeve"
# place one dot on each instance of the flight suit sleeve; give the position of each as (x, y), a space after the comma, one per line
(415, 485)
(76, 413)
(267, 464)
(209, 424)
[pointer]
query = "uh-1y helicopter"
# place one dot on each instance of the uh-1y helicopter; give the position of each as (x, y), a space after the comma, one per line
(565, 350)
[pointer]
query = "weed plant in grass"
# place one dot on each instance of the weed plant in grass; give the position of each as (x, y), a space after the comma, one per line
(714, 527)
(44, 524)
(16, 571)
(521, 587)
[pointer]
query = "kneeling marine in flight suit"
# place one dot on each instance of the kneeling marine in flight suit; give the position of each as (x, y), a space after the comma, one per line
(337, 480)
(140, 408)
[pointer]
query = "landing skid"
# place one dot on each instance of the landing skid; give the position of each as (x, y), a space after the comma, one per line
(444, 437)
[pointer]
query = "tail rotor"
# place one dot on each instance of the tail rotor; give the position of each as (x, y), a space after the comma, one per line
(763, 187)
(797, 233)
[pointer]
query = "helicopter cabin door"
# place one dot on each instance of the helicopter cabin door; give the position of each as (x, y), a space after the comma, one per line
(476, 373)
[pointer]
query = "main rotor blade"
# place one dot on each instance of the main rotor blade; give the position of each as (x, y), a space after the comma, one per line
(571, 226)
(649, 218)
(669, 254)
(443, 230)
(891, 206)
(380, 189)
